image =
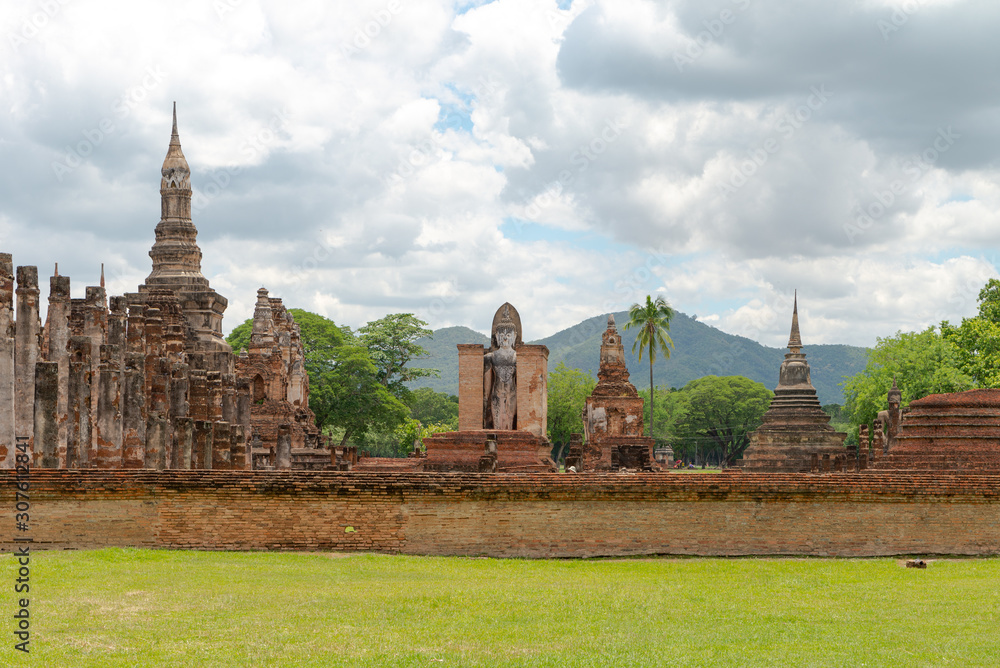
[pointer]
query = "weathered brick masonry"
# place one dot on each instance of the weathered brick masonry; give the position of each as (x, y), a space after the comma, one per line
(529, 515)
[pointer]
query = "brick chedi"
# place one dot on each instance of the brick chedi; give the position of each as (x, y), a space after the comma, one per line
(177, 264)
(795, 434)
(612, 416)
(273, 367)
(948, 432)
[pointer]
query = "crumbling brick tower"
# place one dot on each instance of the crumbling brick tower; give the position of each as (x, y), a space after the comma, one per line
(273, 367)
(612, 416)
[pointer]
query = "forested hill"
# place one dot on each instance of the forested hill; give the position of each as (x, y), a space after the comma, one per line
(699, 350)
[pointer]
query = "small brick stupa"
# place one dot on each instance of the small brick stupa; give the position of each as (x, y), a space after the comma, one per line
(796, 435)
(612, 416)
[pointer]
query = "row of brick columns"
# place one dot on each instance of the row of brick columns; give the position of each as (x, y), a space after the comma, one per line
(118, 396)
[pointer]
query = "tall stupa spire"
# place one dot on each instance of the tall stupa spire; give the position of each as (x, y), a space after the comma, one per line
(176, 256)
(794, 339)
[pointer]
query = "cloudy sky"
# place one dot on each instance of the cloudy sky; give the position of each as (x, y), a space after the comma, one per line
(361, 158)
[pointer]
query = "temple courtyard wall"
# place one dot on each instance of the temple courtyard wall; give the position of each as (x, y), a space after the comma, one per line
(522, 515)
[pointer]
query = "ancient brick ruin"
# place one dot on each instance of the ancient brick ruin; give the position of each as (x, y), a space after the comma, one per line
(502, 406)
(947, 432)
(612, 417)
(273, 366)
(795, 435)
(146, 380)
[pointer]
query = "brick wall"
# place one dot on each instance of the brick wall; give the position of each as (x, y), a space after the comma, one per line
(533, 515)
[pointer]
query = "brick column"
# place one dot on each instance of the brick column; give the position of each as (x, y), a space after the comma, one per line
(239, 454)
(95, 326)
(7, 441)
(470, 386)
(109, 415)
(203, 444)
(283, 453)
(134, 412)
(183, 442)
(156, 441)
(221, 444)
(57, 335)
(26, 351)
(46, 422)
(532, 389)
(78, 434)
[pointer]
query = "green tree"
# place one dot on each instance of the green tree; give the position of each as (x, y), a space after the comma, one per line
(355, 382)
(429, 407)
(391, 344)
(568, 391)
(352, 396)
(978, 339)
(652, 319)
(922, 363)
(669, 413)
(720, 413)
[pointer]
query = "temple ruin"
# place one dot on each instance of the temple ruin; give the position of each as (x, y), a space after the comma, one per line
(795, 435)
(502, 406)
(145, 379)
(943, 432)
(612, 417)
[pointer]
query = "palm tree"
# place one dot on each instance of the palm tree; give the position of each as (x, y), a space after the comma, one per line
(652, 319)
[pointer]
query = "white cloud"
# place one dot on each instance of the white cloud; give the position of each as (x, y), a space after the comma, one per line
(360, 158)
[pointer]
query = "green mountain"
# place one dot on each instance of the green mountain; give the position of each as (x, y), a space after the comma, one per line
(699, 350)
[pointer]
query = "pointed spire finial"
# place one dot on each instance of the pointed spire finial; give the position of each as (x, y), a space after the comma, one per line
(102, 274)
(794, 339)
(175, 170)
(174, 137)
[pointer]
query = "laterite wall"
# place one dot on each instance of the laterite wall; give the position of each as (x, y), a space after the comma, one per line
(538, 515)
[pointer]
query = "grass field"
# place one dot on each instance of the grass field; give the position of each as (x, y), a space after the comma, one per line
(128, 607)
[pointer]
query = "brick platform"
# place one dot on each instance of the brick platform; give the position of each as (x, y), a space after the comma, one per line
(958, 432)
(524, 515)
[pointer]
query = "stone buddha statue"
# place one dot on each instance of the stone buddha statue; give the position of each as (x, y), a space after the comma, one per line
(500, 377)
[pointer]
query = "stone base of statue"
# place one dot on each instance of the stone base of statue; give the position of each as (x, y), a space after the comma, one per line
(480, 450)
(612, 453)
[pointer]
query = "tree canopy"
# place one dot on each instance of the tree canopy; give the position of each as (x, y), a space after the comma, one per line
(429, 407)
(719, 413)
(568, 391)
(978, 339)
(922, 363)
(391, 344)
(356, 383)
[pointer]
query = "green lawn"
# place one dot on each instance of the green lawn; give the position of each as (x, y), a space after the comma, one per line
(118, 607)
